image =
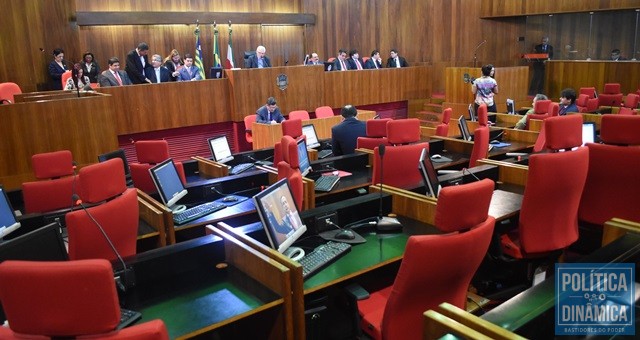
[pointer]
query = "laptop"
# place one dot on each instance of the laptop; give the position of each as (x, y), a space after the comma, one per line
(8, 221)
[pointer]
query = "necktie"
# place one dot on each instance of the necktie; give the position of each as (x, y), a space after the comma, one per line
(157, 75)
(269, 116)
(397, 63)
(344, 67)
(117, 76)
(375, 63)
(358, 65)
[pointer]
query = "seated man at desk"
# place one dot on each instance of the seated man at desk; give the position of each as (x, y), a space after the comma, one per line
(522, 123)
(344, 136)
(269, 113)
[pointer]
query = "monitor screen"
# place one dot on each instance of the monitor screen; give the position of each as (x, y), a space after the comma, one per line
(116, 154)
(216, 73)
(429, 174)
(8, 222)
(220, 150)
(588, 132)
(279, 215)
(472, 113)
(312, 138)
(42, 244)
(511, 109)
(303, 157)
(464, 129)
(168, 183)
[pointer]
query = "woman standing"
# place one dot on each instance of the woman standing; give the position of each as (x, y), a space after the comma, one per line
(57, 68)
(90, 67)
(485, 88)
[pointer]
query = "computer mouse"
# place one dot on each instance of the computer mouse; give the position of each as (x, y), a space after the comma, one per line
(345, 234)
(436, 156)
(230, 199)
(335, 173)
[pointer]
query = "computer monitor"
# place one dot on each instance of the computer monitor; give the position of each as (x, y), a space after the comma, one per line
(42, 244)
(429, 174)
(588, 132)
(279, 215)
(464, 129)
(328, 66)
(220, 150)
(312, 138)
(511, 109)
(8, 222)
(216, 73)
(116, 154)
(472, 113)
(303, 157)
(168, 183)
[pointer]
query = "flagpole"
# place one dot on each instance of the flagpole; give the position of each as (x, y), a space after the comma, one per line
(216, 46)
(229, 62)
(198, 55)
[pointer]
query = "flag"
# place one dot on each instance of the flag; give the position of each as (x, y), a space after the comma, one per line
(230, 50)
(198, 55)
(216, 47)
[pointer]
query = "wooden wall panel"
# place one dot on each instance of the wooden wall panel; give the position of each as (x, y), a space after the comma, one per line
(498, 8)
(577, 74)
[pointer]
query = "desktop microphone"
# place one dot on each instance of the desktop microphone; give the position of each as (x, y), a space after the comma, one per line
(286, 62)
(384, 223)
(127, 278)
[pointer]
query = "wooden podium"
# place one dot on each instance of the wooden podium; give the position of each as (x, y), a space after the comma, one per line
(535, 56)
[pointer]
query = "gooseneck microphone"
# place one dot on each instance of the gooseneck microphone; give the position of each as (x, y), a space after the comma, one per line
(385, 224)
(381, 151)
(306, 57)
(127, 278)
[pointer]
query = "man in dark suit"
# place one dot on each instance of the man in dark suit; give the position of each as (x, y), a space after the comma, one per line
(314, 60)
(259, 60)
(269, 113)
(344, 136)
(537, 81)
(159, 73)
(354, 61)
(138, 64)
(375, 62)
(113, 76)
(396, 60)
(340, 64)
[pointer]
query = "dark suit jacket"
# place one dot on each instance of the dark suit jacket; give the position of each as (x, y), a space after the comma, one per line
(55, 71)
(344, 136)
(337, 66)
(263, 115)
(252, 62)
(320, 62)
(539, 49)
(134, 68)
(172, 68)
(165, 75)
(352, 64)
(392, 63)
(369, 64)
(95, 71)
(107, 79)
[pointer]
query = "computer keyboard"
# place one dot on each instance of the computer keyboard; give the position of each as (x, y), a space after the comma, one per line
(236, 169)
(128, 317)
(324, 154)
(326, 183)
(322, 256)
(197, 211)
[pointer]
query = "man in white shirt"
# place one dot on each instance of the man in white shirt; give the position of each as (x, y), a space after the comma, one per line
(160, 73)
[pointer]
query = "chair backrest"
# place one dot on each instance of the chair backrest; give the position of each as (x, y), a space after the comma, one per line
(483, 115)
(118, 215)
(446, 115)
(377, 127)
(611, 96)
(611, 88)
(332, 59)
(299, 114)
(549, 221)
(541, 107)
(400, 166)
(554, 109)
(480, 145)
(563, 132)
(581, 102)
(589, 91)
(620, 129)
(289, 168)
(54, 189)
(248, 121)
(541, 140)
(152, 151)
(8, 90)
(52, 164)
(625, 111)
(593, 104)
(292, 127)
(631, 101)
(443, 263)
(324, 112)
(442, 130)
(65, 76)
(462, 207)
(403, 131)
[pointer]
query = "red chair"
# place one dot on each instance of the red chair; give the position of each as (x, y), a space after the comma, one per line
(554, 109)
(483, 115)
(299, 114)
(586, 104)
(7, 92)
(332, 59)
(324, 112)
(611, 96)
(631, 101)
(589, 91)
(403, 131)
(443, 128)
(400, 166)
(116, 211)
(292, 127)
(56, 183)
(620, 131)
(480, 145)
(248, 121)
(540, 111)
(376, 130)
(150, 153)
(72, 299)
(65, 76)
(435, 268)
(548, 221)
(289, 168)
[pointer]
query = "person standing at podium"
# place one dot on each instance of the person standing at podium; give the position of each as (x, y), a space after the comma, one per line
(537, 81)
(56, 68)
(344, 136)
(269, 113)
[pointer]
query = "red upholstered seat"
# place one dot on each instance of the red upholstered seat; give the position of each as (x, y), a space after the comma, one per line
(616, 129)
(480, 145)
(65, 76)
(589, 91)
(376, 130)
(443, 128)
(611, 96)
(586, 104)
(299, 114)
(324, 112)
(292, 127)
(289, 168)
(403, 131)
(56, 184)
(248, 121)
(400, 166)
(540, 111)
(73, 299)
(554, 109)
(150, 153)
(483, 115)
(435, 268)
(631, 101)
(563, 132)
(8, 90)
(116, 211)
